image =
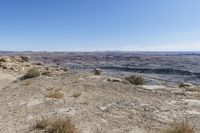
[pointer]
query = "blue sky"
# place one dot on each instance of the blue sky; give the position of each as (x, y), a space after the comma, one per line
(88, 25)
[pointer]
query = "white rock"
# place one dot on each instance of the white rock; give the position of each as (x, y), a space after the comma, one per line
(114, 80)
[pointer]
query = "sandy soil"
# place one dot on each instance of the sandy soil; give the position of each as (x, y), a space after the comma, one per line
(102, 107)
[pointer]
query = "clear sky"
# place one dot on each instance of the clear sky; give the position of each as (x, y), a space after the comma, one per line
(87, 25)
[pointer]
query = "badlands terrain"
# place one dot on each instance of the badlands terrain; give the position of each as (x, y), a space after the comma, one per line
(168, 67)
(103, 103)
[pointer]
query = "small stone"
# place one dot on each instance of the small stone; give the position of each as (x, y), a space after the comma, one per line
(103, 108)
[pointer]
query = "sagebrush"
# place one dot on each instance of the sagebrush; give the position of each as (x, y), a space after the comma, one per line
(32, 73)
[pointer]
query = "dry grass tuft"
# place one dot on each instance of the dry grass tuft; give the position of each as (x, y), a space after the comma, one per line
(55, 94)
(42, 124)
(76, 94)
(56, 125)
(180, 127)
(136, 80)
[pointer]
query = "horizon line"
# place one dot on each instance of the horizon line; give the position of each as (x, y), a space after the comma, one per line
(92, 51)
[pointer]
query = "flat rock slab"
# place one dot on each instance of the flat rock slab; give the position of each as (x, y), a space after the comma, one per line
(153, 87)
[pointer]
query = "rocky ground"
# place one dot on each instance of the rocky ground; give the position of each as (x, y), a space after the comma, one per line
(94, 103)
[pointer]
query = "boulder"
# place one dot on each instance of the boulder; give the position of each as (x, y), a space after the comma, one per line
(14, 63)
(114, 80)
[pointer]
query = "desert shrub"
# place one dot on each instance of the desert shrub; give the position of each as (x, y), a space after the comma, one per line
(76, 94)
(46, 73)
(64, 69)
(38, 63)
(179, 127)
(25, 58)
(55, 94)
(32, 73)
(56, 125)
(184, 85)
(136, 80)
(97, 71)
(181, 85)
